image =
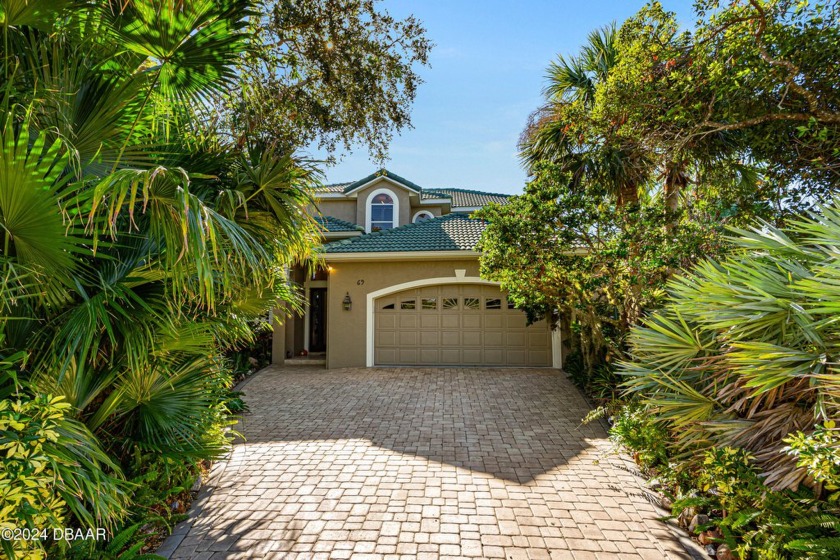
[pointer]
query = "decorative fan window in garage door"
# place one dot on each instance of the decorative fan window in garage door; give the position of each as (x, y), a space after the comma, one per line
(456, 324)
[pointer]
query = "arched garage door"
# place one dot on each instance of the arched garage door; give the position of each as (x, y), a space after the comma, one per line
(456, 324)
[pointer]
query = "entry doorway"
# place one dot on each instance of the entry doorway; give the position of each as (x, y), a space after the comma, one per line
(317, 319)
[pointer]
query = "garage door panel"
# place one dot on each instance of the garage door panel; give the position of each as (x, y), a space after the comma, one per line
(456, 325)
(429, 338)
(386, 356)
(429, 321)
(408, 338)
(429, 356)
(386, 338)
(471, 338)
(471, 356)
(450, 356)
(494, 338)
(538, 357)
(450, 321)
(450, 338)
(516, 339)
(516, 357)
(471, 321)
(494, 321)
(537, 340)
(494, 356)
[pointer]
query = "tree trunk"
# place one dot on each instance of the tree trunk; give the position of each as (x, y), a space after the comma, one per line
(675, 181)
(628, 195)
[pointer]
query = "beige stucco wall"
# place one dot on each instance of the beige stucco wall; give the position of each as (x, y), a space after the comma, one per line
(346, 330)
(433, 210)
(354, 208)
(341, 209)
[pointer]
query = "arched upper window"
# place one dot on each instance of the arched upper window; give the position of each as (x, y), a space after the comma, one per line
(382, 211)
(422, 216)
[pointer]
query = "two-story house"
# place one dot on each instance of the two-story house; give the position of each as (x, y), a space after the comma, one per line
(400, 285)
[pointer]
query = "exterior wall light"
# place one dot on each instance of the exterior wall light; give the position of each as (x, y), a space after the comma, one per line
(347, 302)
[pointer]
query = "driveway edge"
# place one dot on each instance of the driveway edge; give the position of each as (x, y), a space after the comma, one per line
(182, 529)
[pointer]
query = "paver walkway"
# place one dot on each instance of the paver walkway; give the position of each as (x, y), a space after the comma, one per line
(423, 463)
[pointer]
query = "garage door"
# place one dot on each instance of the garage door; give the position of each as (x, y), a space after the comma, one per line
(457, 324)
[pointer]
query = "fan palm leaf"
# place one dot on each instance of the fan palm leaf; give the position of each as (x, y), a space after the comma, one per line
(768, 364)
(31, 178)
(190, 47)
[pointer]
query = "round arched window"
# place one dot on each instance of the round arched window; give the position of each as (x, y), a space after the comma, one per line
(422, 217)
(381, 212)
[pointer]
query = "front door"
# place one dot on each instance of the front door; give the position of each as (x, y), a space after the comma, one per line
(317, 319)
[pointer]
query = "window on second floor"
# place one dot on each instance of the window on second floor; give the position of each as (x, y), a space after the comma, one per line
(422, 217)
(381, 212)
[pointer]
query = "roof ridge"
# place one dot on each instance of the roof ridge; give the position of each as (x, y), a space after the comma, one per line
(382, 172)
(472, 191)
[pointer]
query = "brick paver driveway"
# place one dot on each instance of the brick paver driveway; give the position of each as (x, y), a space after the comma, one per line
(425, 463)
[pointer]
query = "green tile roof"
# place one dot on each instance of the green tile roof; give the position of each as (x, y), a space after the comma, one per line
(471, 199)
(334, 187)
(464, 198)
(452, 232)
(333, 225)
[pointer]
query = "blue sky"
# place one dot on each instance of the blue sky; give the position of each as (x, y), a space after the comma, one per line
(486, 76)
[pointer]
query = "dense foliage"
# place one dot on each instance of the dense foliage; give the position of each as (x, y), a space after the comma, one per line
(139, 249)
(571, 252)
(745, 351)
(754, 81)
(662, 227)
(650, 143)
(334, 72)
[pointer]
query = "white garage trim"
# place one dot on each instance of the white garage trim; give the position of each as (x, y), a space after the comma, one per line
(557, 348)
(405, 286)
(556, 335)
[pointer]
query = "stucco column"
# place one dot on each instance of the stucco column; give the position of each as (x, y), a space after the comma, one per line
(278, 336)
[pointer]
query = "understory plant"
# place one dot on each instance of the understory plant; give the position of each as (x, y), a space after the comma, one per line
(737, 375)
(745, 352)
(137, 248)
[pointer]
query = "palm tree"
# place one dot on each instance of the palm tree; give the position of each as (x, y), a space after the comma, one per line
(576, 78)
(746, 352)
(136, 245)
(563, 131)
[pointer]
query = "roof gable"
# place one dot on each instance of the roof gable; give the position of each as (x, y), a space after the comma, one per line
(458, 199)
(382, 174)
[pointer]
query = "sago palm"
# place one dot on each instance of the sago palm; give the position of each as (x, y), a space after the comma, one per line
(746, 352)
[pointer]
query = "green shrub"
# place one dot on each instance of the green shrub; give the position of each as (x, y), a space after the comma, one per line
(745, 352)
(234, 403)
(783, 525)
(28, 495)
(634, 428)
(819, 454)
(728, 474)
(755, 521)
